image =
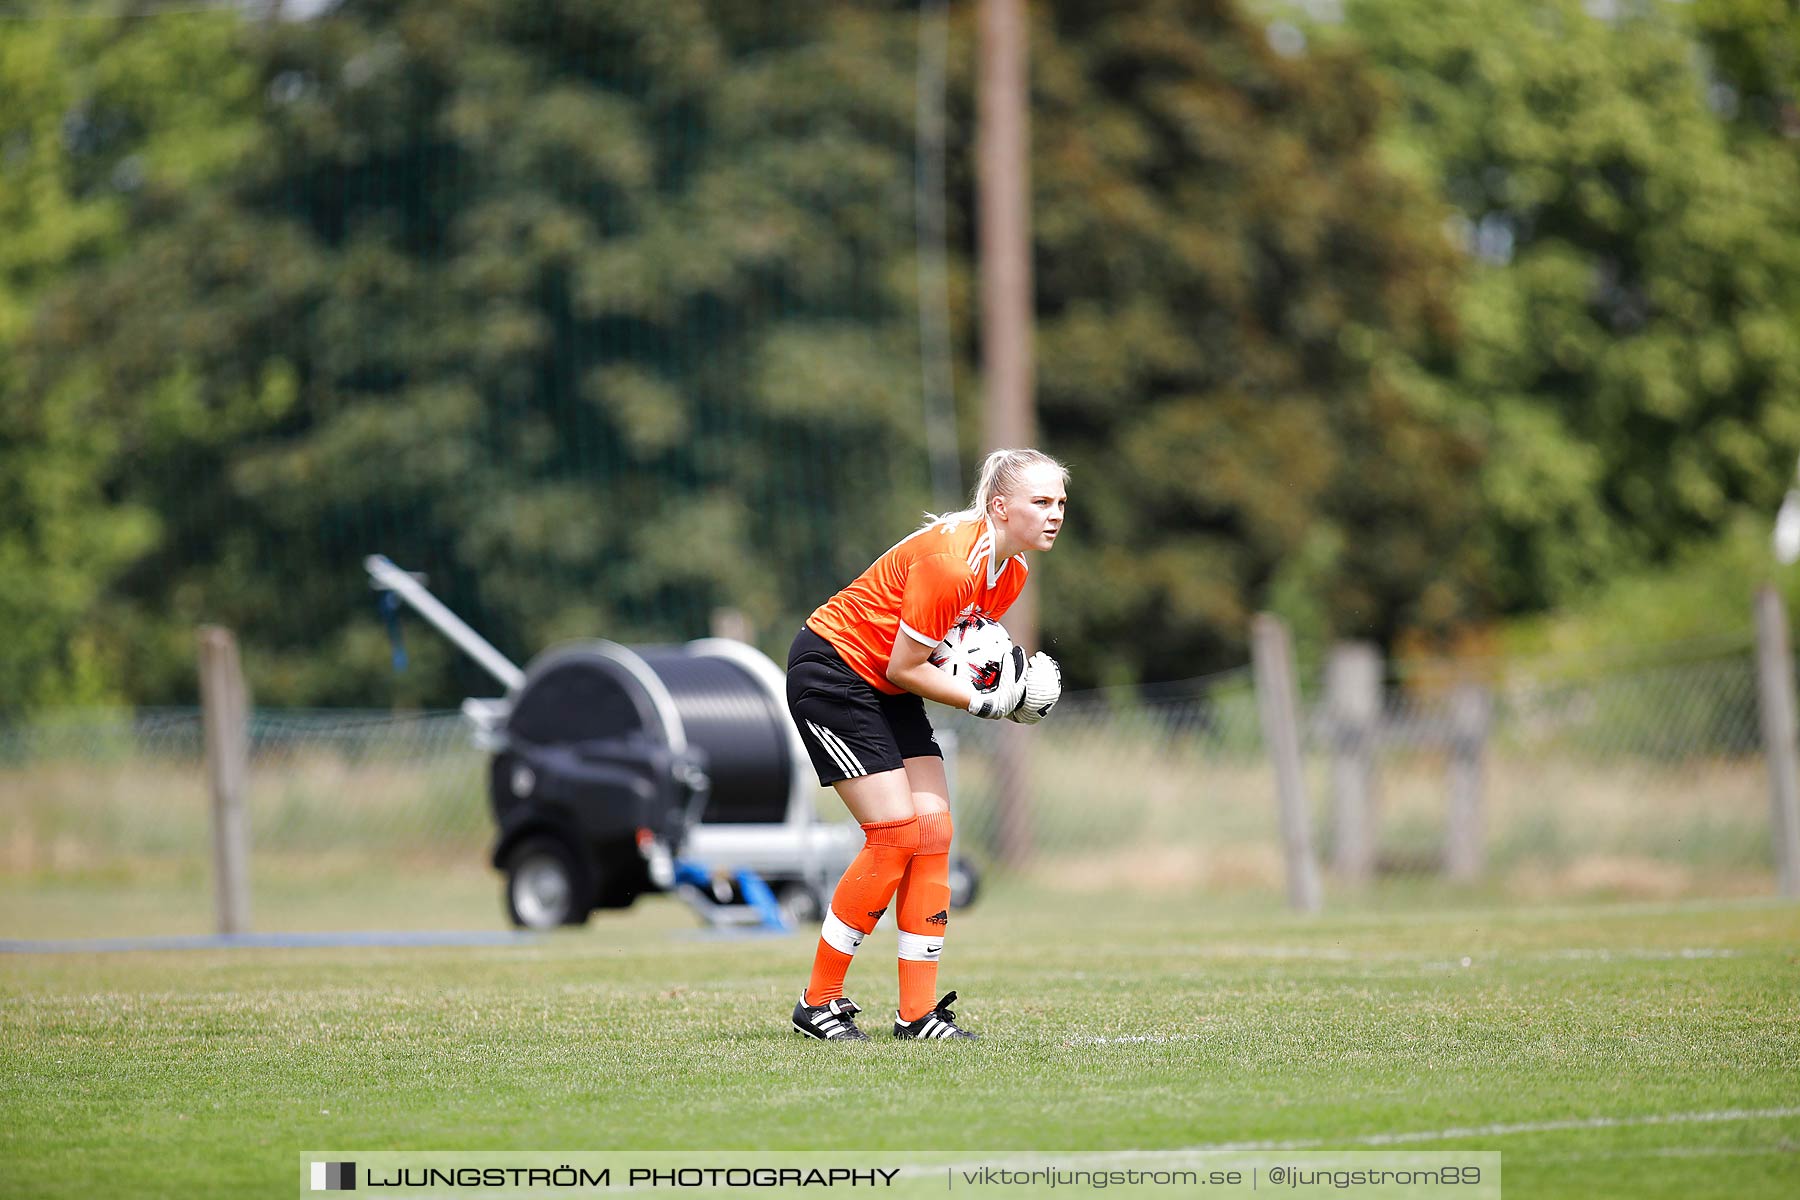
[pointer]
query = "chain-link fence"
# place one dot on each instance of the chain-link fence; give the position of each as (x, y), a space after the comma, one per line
(1648, 780)
(1642, 782)
(356, 820)
(1521, 778)
(101, 793)
(1124, 790)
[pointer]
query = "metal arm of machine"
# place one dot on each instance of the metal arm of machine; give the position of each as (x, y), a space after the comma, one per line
(386, 575)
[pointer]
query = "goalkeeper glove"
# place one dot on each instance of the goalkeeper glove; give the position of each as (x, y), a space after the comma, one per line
(1001, 699)
(1043, 688)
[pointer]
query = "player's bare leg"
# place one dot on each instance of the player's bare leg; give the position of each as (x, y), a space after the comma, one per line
(884, 796)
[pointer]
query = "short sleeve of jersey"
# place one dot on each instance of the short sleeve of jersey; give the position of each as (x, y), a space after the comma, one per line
(938, 587)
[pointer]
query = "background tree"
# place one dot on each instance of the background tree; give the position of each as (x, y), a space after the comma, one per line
(1754, 51)
(100, 122)
(1631, 349)
(570, 305)
(1236, 299)
(603, 314)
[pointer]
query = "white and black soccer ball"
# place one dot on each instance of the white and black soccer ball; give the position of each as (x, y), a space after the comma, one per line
(975, 650)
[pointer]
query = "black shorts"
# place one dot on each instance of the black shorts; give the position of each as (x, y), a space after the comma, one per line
(849, 728)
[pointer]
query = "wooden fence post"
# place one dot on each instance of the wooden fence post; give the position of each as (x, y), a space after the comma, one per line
(225, 704)
(1272, 654)
(1353, 702)
(732, 624)
(1471, 715)
(1775, 686)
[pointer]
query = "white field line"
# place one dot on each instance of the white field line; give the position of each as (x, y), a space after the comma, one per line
(1164, 1157)
(1670, 1152)
(1379, 1139)
(1504, 1130)
(1174, 1156)
(1559, 912)
(1428, 960)
(1653, 955)
(1428, 1135)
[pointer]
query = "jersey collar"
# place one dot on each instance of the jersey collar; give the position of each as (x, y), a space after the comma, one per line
(984, 545)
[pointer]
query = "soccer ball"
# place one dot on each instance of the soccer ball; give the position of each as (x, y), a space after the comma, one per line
(975, 650)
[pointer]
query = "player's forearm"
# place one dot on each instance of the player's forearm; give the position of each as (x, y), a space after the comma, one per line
(925, 680)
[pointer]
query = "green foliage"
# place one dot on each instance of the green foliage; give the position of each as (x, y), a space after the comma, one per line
(1754, 46)
(549, 301)
(1701, 599)
(1234, 297)
(101, 120)
(604, 316)
(1632, 320)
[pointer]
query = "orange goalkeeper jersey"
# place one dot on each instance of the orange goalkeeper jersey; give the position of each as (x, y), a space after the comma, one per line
(921, 588)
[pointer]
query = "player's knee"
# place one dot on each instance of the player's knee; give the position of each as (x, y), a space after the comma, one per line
(934, 833)
(897, 835)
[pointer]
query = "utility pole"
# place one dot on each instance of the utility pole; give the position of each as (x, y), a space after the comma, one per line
(1003, 140)
(936, 358)
(1003, 145)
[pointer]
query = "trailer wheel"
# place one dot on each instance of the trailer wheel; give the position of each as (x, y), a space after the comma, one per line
(544, 885)
(965, 882)
(800, 904)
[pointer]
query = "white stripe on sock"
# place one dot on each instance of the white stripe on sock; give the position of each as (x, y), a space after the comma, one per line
(839, 936)
(919, 947)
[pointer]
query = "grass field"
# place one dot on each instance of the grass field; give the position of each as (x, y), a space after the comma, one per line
(1109, 1022)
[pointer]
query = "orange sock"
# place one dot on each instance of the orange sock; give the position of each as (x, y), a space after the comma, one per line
(862, 895)
(924, 916)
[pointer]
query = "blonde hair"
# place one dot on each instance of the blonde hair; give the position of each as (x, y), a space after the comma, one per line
(1001, 472)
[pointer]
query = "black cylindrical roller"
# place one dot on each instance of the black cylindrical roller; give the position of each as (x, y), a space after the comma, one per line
(730, 715)
(577, 694)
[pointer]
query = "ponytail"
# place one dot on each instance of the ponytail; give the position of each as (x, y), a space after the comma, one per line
(1001, 472)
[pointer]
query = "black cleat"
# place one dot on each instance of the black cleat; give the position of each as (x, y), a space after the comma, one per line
(830, 1021)
(940, 1022)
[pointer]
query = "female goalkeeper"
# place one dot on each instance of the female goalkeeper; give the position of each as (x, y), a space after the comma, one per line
(857, 680)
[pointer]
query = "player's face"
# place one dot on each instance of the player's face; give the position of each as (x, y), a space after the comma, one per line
(1035, 510)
